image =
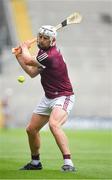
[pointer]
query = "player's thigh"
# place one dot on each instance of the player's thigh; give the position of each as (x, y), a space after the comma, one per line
(37, 121)
(58, 116)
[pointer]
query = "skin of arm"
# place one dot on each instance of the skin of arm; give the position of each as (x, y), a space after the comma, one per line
(28, 63)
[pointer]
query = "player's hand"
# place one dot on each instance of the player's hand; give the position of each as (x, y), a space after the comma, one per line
(17, 50)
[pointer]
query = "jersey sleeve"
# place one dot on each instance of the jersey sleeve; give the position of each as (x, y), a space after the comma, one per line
(42, 58)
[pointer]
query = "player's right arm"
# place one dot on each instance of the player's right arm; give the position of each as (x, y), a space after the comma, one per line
(29, 63)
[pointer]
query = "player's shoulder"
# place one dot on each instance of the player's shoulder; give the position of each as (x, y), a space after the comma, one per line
(50, 53)
(54, 50)
(41, 55)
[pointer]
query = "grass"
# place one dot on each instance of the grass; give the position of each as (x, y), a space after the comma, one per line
(91, 153)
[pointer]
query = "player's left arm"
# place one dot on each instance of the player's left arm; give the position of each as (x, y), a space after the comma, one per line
(28, 62)
(28, 58)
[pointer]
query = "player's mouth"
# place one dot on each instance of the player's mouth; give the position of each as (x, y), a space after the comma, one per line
(41, 46)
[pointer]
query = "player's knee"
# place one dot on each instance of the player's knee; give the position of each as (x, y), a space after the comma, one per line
(29, 130)
(53, 126)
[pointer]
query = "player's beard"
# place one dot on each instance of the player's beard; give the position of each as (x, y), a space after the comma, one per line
(43, 48)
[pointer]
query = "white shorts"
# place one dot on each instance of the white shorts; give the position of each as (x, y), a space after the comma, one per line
(46, 105)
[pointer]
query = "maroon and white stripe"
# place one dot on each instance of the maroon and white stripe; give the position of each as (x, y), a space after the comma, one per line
(42, 57)
(66, 103)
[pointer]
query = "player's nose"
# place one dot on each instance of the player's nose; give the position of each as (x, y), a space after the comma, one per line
(42, 39)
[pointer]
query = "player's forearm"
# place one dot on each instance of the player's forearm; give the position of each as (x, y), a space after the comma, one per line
(30, 70)
(20, 60)
(28, 62)
(27, 58)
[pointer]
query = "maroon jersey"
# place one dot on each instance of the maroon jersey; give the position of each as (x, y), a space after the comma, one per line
(54, 77)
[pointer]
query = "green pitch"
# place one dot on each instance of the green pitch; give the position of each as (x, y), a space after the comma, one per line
(91, 153)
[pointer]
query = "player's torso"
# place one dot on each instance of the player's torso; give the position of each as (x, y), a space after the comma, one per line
(54, 77)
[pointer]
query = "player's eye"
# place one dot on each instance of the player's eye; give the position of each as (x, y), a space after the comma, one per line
(45, 37)
(40, 36)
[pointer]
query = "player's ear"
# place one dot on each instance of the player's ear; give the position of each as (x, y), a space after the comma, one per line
(53, 42)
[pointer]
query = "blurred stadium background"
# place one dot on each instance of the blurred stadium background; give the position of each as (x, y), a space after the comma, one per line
(87, 48)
